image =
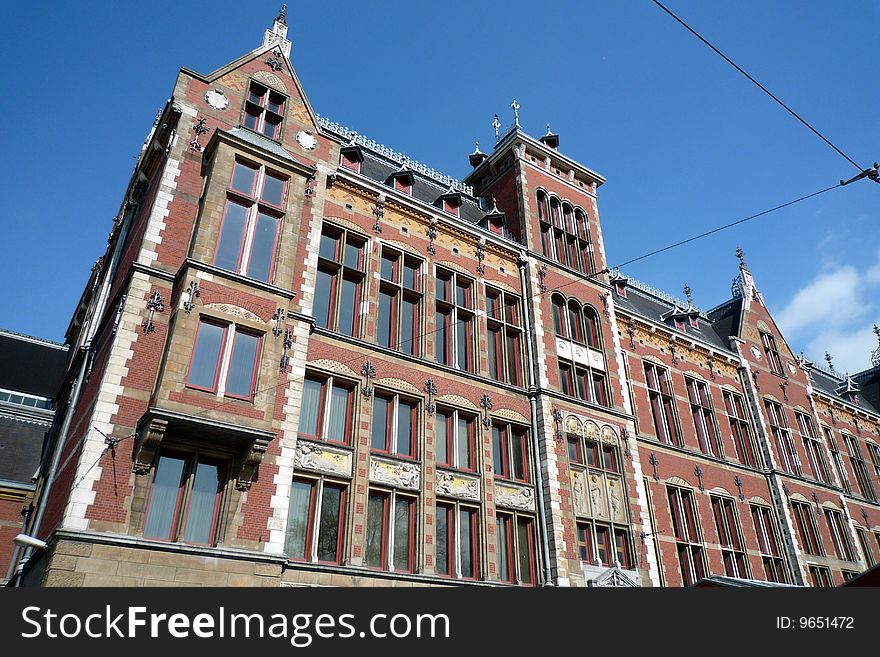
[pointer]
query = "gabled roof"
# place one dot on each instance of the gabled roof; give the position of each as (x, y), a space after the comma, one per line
(829, 382)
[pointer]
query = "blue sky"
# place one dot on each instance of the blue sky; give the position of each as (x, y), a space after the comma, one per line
(685, 141)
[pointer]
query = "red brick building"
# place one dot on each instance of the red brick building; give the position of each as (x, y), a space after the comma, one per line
(307, 359)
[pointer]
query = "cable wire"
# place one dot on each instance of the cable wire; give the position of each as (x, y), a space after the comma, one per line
(758, 84)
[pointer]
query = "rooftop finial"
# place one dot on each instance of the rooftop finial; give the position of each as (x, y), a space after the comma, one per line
(828, 359)
(477, 150)
(548, 129)
(741, 255)
(515, 106)
(875, 356)
(282, 15)
(496, 123)
(689, 293)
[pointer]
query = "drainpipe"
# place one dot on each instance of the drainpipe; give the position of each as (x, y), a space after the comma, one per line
(533, 404)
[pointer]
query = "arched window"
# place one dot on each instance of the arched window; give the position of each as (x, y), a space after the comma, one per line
(576, 321)
(560, 322)
(592, 327)
(565, 233)
(585, 242)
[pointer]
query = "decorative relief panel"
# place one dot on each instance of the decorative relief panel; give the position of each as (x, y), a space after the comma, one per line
(332, 366)
(507, 414)
(271, 80)
(395, 473)
(235, 311)
(609, 435)
(456, 485)
(399, 384)
(596, 359)
(563, 348)
(517, 497)
(598, 495)
(314, 456)
(457, 400)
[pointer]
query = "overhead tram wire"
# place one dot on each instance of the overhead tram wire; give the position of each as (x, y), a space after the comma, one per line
(760, 86)
(578, 280)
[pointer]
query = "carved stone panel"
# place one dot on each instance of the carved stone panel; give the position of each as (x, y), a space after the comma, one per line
(596, 359)
(598, 497)
(579, 490)
(320, 458)
(457, 485)
(563, 349)
(517, 497)
(395, 473)
(616, 500)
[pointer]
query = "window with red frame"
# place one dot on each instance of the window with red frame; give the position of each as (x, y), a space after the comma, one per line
(340, 279)
(773, 359)
(865, 544)
(836, 459)
(820, 576)
(184, 499)
(327, 409)
(704, 417)
(456, 540)
(251, 219)
(815, 452)
(808, 532)
(224, 360)
(857, 461)
(400, 302)
(516, 549)
(604, 544)
(455, 444)
(733, 552)
(395, 422)
(662, 402)
(264, 111)
(565, 233)
(454, 342)
(316, 521)
(504, 327)
(390, 537)
(686, 529)
(769, 544)
(510, 447)
(836, 525)
(741, 429)
(782, 437)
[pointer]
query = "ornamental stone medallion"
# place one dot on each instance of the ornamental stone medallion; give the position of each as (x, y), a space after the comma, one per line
(216, 99)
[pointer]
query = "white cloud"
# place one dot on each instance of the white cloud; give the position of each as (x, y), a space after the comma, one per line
(834, 312)
(810, 306)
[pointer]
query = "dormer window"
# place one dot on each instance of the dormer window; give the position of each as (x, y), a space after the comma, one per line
(402, 181)
(351, 157)
(451, 206)
(449, 202)
(263, 111)
(679, 324)
(694, 323)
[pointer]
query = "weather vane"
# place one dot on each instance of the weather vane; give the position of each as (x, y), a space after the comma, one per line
(515, 106)
(496, 123)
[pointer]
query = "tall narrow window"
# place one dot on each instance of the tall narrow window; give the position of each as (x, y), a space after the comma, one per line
(813, 447)
(580, 324)
(225, 360)
(395, 422)
(686, 529)
(662, 402)
(184, 499)
(516, 549)
(327, 409)
(455, 320)
(733, 552)
(400, 302)
(339, 281)
(820, 576)
(455, 444)
(837, 460)
(316, 521)
(504, 324)
(788, 458)
(456, 540)
(740, 429)
(390, 538)
(857, 461)
(249, 230)
(510, 446)
(565, 233)
(704, 417)
(837, 527)
(808, 532)
(865, 544)
(264, 111)
(773, 359)
(769, 544)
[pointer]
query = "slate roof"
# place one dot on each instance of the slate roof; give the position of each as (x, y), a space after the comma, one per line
(260, 141)
(30, 365)
(827, 382)
(644, 303)
(21, 442)
(378, 169)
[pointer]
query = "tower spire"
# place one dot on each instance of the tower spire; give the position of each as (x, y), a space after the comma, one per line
(282, 14)
(277, 36)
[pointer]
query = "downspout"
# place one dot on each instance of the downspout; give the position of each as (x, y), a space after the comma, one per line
(533, 405)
